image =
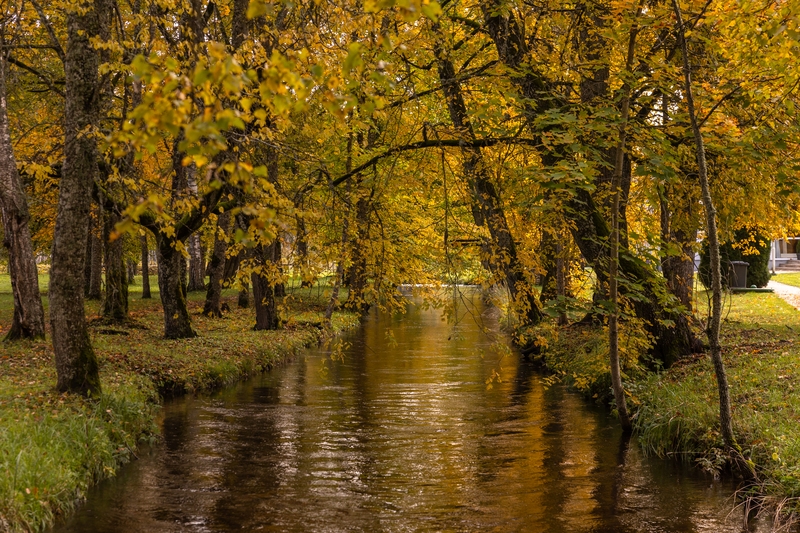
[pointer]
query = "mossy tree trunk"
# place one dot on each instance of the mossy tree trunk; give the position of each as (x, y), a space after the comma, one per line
(171, 268)
(76, 363)
(588, 221)
(263, 280)
(115, 300)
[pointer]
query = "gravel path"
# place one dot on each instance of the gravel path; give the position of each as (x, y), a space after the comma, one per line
(787, 292)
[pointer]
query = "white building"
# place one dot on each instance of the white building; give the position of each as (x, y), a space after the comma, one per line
(783, 255)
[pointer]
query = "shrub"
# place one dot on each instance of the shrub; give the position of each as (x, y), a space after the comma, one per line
(749, 245)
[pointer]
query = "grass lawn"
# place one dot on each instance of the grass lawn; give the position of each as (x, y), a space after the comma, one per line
(791, 278)
(678, 409)
(54, 446)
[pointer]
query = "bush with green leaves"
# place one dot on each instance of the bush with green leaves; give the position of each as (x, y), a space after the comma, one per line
(749, 245)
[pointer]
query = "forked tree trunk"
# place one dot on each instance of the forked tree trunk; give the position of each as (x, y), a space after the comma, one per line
(76, 363)
(171, 269)
(145, 269)
(28, 320)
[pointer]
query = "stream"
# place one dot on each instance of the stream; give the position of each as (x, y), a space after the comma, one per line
(408, 423)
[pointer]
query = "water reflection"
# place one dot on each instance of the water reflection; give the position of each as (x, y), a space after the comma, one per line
(402, 434)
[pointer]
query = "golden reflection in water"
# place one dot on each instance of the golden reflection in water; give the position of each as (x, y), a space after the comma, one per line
(402, 435)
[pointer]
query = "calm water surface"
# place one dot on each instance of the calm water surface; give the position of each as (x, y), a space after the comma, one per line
(400, 432)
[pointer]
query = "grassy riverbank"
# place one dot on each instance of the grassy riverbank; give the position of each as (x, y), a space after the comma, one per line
(677, 410)
(54, 446)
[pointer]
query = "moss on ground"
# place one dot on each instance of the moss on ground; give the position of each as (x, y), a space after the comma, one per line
(54, 446)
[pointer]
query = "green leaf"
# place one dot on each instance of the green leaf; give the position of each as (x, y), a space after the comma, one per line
(433, 10)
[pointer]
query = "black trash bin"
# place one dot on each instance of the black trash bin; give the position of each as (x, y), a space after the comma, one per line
(739, 274)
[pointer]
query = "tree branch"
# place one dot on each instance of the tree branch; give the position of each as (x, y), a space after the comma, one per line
(47, 81)
(476, 143)
(46, 22)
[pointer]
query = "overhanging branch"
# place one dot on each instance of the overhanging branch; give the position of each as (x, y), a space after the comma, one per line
(443, 143)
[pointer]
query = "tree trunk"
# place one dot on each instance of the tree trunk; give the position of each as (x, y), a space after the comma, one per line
(678, 269)
(588, 222)
(726, 421)
(115, 300)
(301, 253)
(87, 266)
(145, 269)
(216, 268)
(613, 264)
(486, 201)
(244, 296)
(277, 261)
(96, 256)
(263, 280)
(171, 269)
(28, 319)
(197, 267)
(76, 363)
(131, 272)
(357, 273)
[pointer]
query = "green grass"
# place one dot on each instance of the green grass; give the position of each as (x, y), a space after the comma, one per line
(792, 278)
(54, 446)
(678, 409)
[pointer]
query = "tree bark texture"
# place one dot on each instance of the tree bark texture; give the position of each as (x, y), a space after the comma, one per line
(263, 280)
(95, 255)
(87, 266)
(678, 269)
(145, 269)
(243, 302)
(485, 199)
(28, 318)
(357, 273)
(115, 300)
(76, 363)
(171, 269)
(216, 267)
(197, 267)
